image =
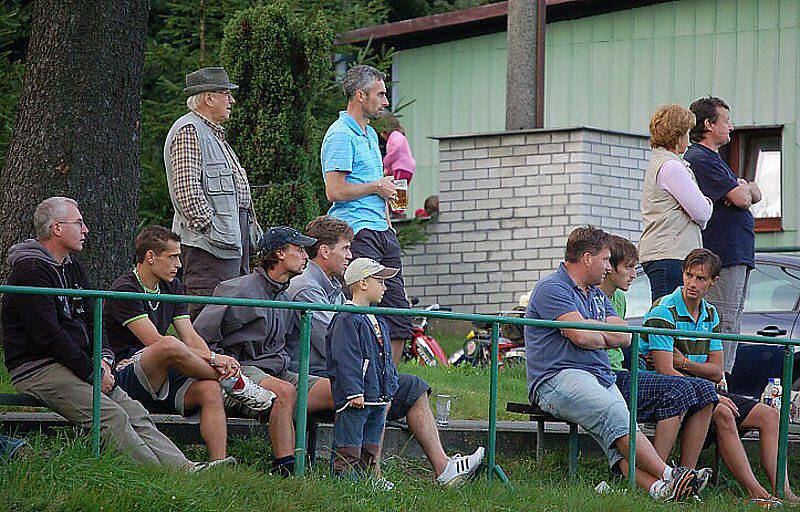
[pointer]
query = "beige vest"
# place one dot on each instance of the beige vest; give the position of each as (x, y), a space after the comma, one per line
(669, 232)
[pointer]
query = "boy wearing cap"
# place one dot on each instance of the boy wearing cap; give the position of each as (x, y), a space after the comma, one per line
(363, 377)
(256, 337)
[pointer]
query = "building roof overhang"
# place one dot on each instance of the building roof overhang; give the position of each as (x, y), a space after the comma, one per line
(475, 21)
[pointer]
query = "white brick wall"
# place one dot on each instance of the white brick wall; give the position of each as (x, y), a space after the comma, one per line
(507, 203)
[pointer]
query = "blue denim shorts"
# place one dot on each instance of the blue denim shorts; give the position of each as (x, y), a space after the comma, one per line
(577, 396)
(357, 440)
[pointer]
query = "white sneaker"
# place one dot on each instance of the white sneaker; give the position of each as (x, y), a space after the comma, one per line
(381, 484)
(251, 398)
(460, 467)
(202, 466)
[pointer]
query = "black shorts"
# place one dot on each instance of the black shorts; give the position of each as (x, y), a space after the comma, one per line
(745, 404)
(383, 247)
(168, 399)
(409, 389)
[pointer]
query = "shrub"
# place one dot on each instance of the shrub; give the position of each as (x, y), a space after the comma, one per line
(281, 61)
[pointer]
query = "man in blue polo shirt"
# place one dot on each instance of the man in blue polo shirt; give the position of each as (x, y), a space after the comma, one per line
(354, 182)
(569, 373)
(730, 231)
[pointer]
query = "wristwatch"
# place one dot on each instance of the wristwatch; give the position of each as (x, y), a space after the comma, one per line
(213, 360)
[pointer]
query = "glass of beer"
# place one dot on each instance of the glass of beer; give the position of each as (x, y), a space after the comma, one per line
(400, 202)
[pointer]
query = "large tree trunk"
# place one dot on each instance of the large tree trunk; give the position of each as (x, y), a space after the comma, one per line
(77, 127)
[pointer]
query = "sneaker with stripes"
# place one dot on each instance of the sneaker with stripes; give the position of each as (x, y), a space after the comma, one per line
(460, 467)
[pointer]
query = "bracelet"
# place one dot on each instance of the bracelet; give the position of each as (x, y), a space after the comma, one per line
(683, 364)
(213, 360)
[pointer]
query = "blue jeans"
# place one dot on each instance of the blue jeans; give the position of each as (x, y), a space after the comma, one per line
(357, 440)
(577, 396)
(664, 275)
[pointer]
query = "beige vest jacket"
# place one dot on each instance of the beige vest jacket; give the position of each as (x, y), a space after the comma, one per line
(669, 232)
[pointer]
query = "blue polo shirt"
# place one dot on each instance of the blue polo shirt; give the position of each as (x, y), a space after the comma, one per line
(547, 350)
(730, 233)
(347, 148)
(670, 312)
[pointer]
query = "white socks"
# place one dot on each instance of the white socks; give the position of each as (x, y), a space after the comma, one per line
(667, 475)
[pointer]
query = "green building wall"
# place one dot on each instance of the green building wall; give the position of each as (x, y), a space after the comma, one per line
(611, 71)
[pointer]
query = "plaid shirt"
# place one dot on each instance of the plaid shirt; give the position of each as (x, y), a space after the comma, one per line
(187, 164)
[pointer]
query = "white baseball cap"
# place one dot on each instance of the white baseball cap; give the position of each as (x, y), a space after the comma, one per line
(362, 268)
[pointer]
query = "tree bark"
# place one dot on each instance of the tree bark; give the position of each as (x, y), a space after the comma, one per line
(77, 127)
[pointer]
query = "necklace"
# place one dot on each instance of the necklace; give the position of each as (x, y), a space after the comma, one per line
(157, 289)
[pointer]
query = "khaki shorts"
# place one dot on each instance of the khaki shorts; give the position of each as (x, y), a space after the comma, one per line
(256, 374)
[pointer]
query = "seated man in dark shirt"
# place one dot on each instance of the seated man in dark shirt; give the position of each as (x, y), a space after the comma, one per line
(256, 336)
(165, 373)
(47, 340)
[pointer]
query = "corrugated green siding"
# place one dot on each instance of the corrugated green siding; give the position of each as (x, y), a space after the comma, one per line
(457, 86)
(611, 71)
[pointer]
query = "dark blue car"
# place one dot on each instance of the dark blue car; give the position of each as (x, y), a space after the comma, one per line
(772, 308)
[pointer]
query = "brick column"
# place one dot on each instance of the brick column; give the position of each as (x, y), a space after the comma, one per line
(507, 203)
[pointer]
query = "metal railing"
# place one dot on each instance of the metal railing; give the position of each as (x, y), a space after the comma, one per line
(494, 470)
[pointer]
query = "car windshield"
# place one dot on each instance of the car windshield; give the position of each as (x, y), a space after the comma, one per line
(772, 288)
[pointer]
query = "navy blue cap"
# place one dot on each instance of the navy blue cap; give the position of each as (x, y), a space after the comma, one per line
(279, 236)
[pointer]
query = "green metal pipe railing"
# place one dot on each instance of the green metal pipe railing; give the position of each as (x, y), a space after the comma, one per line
(97, 354)
(495, 321)
(301, 414)
(634, 364)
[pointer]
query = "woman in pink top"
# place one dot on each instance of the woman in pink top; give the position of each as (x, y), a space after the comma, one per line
(398, 162)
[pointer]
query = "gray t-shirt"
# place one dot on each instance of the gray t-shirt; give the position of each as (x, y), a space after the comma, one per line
(547, 350)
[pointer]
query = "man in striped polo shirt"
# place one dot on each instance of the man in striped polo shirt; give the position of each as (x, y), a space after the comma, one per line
(686, 309)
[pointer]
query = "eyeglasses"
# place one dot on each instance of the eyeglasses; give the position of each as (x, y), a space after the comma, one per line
(227, 94)
(78, 222)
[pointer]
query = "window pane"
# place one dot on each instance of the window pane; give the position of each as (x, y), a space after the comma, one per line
(771, 289)
(768, 179)
(764, 167)
(638, 297)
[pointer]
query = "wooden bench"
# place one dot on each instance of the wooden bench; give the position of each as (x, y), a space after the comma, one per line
(16, 400)
(535, 413)
(312, 424)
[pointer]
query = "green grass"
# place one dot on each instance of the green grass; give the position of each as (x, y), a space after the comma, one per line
(469, 386)
(71, 480)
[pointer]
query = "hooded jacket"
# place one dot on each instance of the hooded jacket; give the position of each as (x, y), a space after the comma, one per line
(39, 330)
(254, 336)
(358, 365)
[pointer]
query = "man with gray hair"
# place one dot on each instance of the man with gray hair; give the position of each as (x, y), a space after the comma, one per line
(354, 182)
(210, 193)
(47, 340)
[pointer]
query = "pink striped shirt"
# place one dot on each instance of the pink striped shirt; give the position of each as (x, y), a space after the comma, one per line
(398, 154)
(674, 178)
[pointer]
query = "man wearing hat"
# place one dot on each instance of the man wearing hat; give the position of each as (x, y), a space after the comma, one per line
(256, 337)
(214, 213)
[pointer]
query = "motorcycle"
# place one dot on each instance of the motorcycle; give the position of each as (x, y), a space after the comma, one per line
(477, 349)
(423, 347)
